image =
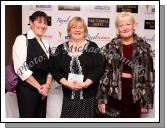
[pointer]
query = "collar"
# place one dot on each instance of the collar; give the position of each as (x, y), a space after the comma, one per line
(136, 40)
(31, 35)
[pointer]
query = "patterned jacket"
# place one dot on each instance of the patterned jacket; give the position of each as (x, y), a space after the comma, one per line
(142, 72)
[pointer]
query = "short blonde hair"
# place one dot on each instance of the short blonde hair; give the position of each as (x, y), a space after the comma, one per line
(124, 14)
(73, 21)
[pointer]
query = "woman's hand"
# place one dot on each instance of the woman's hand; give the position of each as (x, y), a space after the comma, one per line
(73, 86)
(81, 85)
(70, 84)
(44, 89)
(102, 108)
(144, 110)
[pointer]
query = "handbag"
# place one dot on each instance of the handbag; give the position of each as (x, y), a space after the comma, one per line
(11, 78)
(110, 113)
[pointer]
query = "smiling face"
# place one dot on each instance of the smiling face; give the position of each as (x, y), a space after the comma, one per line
(39, 26)
(125, 27)
(77, 31)
(125, 24)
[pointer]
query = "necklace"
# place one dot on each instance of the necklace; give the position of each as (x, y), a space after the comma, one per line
(75, 67)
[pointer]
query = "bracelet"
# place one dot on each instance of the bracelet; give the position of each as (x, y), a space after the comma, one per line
(49, 85)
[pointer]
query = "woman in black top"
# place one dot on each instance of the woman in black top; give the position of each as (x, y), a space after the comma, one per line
(78, 66)
(31, 64)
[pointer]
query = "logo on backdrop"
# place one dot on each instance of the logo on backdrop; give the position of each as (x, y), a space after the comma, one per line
(63, 37)
(149, 39)
(149, 9)
(49, 21)
(127, 8)
(100, 8)
(98, 22)
(98, 37)
(68, 8)
(62, 21)
(149, 24)
(48, 36)
(41, 7)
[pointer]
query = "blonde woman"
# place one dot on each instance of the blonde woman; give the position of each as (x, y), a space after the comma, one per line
(128, 81)
(78, 66)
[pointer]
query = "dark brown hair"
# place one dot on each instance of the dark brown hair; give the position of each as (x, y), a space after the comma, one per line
(37, 14)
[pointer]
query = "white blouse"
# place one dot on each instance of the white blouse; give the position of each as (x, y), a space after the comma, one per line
(20, 54)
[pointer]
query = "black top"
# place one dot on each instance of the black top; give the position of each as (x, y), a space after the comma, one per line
(90, 61)
(38, 62)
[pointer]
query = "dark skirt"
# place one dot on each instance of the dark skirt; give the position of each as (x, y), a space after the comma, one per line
(78, 108)
(125, 105)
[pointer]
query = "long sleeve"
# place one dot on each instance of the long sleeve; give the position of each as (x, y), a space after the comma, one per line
(56, 71)
(148, 97)
(97, 68)
(103, 87)
(19, 58)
